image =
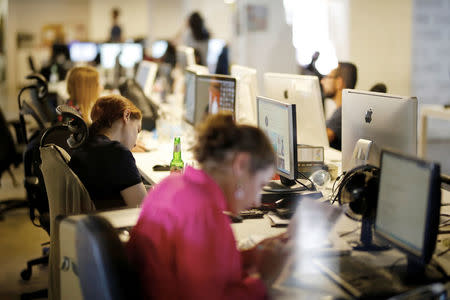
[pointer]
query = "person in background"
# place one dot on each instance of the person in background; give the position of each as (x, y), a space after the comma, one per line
(104, 163)
(183, 246)
(115, 35)
(379, 88)
(195, 35)
(343, 77)
(83, 87)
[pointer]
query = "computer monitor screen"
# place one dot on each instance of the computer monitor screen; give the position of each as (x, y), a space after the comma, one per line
(189, 96)
(408, 204)
(277, 120)
(304, 91)
(108, 55)
(185, 56)
(159, 48)
(214, 93)
(388, 121)
(246, 94)
(145, 76)
(131, 54)
(82, 52)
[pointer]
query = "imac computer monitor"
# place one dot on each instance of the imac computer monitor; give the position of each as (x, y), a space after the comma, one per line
(277, 120)
(82, 52)
(159, 48)
(185, 56)
(108, 54)
(198, 69)
(304, 91)
(145, 76)
(129, 54)
(189, 96)
(388, 121)
(408, 207)
(214, 93)
(246, 94)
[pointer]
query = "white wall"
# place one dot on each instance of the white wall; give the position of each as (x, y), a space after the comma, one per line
(133, 18)
(165, 18)
(29, 16)
(431, 59)
(380, 43)
(268, 51)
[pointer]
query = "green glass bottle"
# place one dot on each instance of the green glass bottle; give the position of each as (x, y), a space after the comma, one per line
(177, 164)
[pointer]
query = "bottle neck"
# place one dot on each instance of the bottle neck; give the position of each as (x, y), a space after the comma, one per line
(177, 151)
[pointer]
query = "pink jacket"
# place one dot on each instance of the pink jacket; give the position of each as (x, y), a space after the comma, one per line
(183, 245)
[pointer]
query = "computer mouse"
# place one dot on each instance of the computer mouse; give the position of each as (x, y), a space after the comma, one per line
(158, 168)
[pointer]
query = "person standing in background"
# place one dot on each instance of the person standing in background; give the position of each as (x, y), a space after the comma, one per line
(195, 35)
(116, 31)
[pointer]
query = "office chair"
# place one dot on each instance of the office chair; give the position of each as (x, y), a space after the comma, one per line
(103, 267)
(69, 134)
(10, 155)
(66, 196)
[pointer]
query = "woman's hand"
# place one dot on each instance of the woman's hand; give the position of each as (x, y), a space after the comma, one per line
(267, 258)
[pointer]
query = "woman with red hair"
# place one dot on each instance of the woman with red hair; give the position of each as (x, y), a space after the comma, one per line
(105, 164)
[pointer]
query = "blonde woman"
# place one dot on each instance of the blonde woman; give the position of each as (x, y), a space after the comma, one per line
(83, 87)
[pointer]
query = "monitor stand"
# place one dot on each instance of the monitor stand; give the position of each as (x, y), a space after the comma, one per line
(416, 273)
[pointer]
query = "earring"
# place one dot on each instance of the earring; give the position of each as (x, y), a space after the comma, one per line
(239, 192)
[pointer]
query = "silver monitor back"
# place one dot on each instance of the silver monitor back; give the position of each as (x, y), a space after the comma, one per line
(389, 121)
(304, 91)
(145, 76)
(246, 94)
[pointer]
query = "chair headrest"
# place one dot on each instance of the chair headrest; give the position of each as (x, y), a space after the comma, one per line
(76, 125)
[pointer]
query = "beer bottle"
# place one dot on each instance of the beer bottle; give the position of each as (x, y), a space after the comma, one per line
(177, 164)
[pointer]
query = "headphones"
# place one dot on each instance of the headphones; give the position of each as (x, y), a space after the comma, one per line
(359, 188)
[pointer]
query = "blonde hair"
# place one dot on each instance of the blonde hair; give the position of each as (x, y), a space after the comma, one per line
(83, 88)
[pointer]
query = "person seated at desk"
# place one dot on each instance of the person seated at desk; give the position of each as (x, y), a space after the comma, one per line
(83, 87)
(183, 246)
(343, 77)
(104, 163)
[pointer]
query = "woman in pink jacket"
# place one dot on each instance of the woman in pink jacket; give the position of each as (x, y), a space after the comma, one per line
(183, 245)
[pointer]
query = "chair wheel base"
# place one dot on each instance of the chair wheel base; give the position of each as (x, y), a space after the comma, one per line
(25, 274)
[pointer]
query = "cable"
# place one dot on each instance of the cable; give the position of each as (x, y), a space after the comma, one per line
(304, 185)
(349, 232)
(313, 186)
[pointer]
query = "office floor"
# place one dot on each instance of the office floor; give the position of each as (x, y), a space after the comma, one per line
(20, 240)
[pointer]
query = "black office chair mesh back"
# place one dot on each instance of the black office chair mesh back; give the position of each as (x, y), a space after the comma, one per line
(8, 154)
(103, 267)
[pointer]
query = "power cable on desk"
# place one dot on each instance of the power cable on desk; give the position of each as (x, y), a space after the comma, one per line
(349, 232)
(313, 187)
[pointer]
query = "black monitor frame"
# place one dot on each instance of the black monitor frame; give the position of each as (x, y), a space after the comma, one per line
(417, 260)
(292, 135)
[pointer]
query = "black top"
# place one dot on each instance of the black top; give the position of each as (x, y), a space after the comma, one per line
(105, 168)
(335, 124)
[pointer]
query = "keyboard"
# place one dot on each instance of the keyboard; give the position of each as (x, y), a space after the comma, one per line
(359, 278)
(253, 213)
